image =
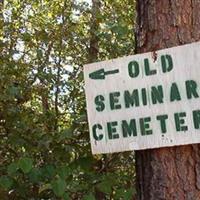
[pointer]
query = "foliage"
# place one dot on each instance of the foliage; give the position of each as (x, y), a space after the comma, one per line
(44, 147)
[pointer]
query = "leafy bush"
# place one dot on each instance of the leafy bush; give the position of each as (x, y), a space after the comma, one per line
(44, 147)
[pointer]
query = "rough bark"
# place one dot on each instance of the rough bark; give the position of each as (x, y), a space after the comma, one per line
(167, 173)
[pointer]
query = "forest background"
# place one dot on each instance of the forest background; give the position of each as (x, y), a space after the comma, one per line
(44, 140)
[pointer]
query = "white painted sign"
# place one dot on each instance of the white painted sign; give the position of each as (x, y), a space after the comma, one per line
(144, 101)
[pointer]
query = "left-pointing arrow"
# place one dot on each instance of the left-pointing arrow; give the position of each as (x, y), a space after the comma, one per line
(101, 73)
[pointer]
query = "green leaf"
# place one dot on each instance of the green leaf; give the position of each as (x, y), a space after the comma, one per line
(39, 53)
(63, 171)
(12, 169)
(35, 175)
(105, 187)
(121, 30)
(48, 171)
(128, 194)
(6, 182)
(124, 194)
(66, 196)
(89, 197)
(58, 187)
(25, 164)
(65, 134)
(85, 163)
(13, 91)
(26, 37)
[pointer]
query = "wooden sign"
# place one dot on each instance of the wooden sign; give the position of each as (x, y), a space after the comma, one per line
(144, 101)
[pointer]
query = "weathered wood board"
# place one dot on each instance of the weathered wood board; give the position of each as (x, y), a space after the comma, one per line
(144, 101)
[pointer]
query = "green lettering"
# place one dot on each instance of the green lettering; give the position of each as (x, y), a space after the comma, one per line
(94, 131)
(157, 94)
(162, 119)
(179, 121)
(144, 96)
(114, 99)
(111, 126)
(196, 119)
(147, 69)
(167, 63)
(191, 89)
(144, 126)
(174, 93)
(129, 129)
(133, 69)
(131, 99)
(99, 101)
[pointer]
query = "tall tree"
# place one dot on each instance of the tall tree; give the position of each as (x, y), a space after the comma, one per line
(168, 173)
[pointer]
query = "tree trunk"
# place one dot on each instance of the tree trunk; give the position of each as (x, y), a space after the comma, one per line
(167, 173)
(93, 52)
(94, 39)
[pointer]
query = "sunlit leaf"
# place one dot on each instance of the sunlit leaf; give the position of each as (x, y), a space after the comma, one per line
(25, 164)
(6, 182)
(58, 187)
